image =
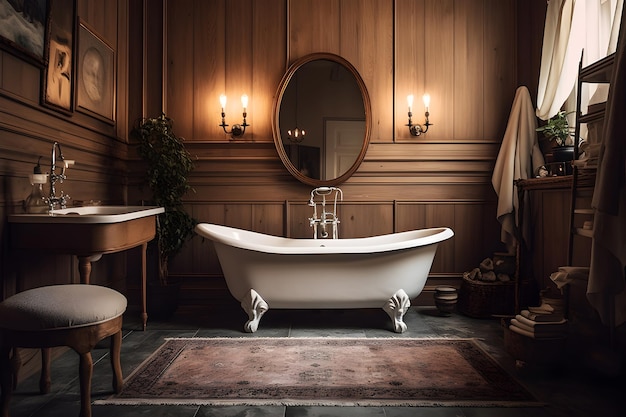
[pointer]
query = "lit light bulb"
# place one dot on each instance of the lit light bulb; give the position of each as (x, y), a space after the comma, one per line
(409, 100)
(426, 99)
(244, 102)
(223, 101)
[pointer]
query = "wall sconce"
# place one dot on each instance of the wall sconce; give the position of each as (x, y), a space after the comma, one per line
(417, 129)
(238, 129)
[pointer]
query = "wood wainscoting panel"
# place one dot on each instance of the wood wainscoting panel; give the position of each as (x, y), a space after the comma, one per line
(476, 234)
(500, 66)
(100, 15)
(297, 219)
(313, 26)
(181, 63)
(365, 219)
(19, 79)
(238, 65)
(361, 219)
(268, 218)
(469, 69)
(479, 234)
(423, 215)
(198, 256)
(439, 74)
(371, 23)
(269, 64)
(410, 65)
(207, 26)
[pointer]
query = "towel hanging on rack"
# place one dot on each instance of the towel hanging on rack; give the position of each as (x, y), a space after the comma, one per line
(519, 158)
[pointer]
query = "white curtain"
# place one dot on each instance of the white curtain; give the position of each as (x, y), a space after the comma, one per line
(571, 27)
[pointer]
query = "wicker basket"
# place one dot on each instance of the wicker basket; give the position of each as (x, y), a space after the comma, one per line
(486, 299)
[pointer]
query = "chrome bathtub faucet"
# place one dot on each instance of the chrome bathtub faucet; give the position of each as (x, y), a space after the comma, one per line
(325, 219)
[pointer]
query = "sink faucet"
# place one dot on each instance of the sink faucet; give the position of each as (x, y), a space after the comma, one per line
(326, 218)
(53, 199)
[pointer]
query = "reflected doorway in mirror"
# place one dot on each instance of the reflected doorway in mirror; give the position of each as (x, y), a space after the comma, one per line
(343, 140)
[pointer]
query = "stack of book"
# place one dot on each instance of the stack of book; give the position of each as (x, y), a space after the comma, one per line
(539, 324)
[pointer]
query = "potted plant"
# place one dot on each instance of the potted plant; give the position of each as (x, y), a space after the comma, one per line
(168, 165)
(560, 134)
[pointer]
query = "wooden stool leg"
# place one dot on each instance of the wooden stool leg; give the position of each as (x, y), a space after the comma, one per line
(44, 379)
(6, 379)
(85, 371)
(116, 348)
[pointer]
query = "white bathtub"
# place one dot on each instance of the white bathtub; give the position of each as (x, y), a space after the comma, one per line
(264, 271)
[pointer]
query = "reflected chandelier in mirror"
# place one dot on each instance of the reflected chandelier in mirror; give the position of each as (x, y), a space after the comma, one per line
(323, 95)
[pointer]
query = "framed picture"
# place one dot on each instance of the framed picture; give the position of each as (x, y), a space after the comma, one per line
(95, 75)
(58, 75)
(23, 28)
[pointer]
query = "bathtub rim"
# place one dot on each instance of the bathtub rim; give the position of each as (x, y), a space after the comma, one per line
(260, 242)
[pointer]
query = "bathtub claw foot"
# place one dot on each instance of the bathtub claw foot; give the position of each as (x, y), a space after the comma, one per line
(396, 307)
(255, 306)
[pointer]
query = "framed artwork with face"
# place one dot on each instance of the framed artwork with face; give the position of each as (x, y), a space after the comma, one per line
(95, 77)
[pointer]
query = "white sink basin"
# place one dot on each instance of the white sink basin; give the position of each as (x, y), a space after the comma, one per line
(85, 231)
(88, 232)
(89, 214)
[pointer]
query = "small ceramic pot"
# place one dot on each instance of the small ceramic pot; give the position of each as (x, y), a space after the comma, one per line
(445, 299)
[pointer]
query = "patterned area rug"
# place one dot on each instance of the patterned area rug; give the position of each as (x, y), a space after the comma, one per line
(322, 371)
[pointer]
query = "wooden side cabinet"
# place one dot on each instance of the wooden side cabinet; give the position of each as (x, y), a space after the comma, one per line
(545, 204)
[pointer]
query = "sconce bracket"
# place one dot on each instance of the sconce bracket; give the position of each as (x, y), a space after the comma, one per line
(237, 131)
(418, 129)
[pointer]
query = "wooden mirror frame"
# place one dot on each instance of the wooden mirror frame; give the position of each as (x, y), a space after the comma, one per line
(278, 140)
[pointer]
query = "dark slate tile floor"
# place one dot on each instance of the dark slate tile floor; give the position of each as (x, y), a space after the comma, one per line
(570, 392)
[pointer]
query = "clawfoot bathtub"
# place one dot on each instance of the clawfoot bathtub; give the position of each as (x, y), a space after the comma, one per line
(263, 271)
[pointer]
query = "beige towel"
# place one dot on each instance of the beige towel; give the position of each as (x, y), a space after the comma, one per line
(570, 275)
(519, 158)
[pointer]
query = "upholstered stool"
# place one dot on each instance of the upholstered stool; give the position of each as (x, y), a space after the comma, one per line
(78, 316)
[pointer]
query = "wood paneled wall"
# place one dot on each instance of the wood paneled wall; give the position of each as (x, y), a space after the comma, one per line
(463, 53)
(179, 56)
(27, 131)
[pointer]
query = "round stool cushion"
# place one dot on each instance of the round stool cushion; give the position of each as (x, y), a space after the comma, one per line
(61, 307)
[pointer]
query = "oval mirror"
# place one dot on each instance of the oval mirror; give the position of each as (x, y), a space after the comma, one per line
(321, 119)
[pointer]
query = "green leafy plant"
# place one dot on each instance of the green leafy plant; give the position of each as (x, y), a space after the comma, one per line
(557, 129)
(168, 164)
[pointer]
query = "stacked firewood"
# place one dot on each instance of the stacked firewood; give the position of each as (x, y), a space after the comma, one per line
(501, 268)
